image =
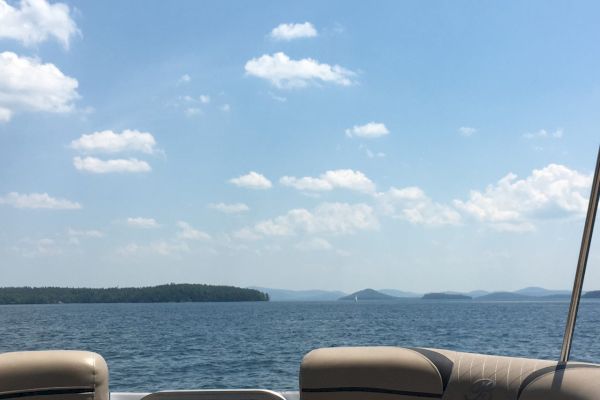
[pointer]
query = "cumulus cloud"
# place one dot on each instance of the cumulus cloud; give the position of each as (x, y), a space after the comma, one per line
(112, 142)
(283, 72)
(413, 205)
(234, 208)
(185, 78)
(467, 131)
(293, 31)
(313, 244)
(31, 248)
(512, 204)
(161, 248)
(187, 232)
(204, 98)
(544, 134)
(35, 21)
(98, 166)
(91, 233)
(141, 222)
(252, 180)
(327, 218)
(38, 200)
(28, 85)
(246, 234)
(340, 178)
(370, 130)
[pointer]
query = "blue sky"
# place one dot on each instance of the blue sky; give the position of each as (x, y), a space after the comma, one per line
(411, 145)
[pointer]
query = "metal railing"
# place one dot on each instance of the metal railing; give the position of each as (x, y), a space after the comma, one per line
(586, 240)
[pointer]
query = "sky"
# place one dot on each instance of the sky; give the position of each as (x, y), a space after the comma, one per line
(412, 145)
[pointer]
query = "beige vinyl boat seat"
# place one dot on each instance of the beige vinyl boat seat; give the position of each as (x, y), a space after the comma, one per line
(53, 375)
(396, 373)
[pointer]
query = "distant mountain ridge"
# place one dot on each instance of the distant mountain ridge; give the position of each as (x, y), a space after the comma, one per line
(445, 296)
(531, 293)
(300, 295)
(368, 294)
(399, 293)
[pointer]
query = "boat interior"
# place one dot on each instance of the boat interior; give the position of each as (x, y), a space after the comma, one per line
(339, 373)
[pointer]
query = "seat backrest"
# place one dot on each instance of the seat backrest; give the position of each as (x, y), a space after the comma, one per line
(53, 375)
(385, 373)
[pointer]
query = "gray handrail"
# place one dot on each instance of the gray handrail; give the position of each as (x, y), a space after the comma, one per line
(586, 240)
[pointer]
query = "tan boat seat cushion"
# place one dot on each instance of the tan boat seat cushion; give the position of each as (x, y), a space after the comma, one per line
(386, 373)
(53, 375)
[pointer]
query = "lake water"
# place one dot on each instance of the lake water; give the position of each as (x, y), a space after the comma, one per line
(150, 347)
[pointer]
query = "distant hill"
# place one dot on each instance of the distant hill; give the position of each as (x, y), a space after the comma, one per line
(477, 293)
(445, 296)
(300, 295)
(398, 293)
(539, 291)
(504, 296)
(594, 294)
(368, 294)
(152, 294)
(514, 296)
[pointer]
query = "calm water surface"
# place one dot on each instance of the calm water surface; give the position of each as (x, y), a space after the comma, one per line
(222, 345)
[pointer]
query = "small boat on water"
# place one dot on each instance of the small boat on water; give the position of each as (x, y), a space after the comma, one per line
(345, 373)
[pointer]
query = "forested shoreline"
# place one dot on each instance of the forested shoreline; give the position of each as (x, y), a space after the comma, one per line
(177, 293)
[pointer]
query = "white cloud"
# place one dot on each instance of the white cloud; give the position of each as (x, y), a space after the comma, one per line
(191, 111)
(5, 114)
(275, 97)
(38, 200)
(97, 166)
(161, 247)
(284, 72)
(293, 31)
(313, 244)
(187, 232)
(327, 218)
(35, 21)
(141, 222)
(31, 248)
(372, 154)
(185, 78)
(544, 134)
(413, 205)
(234, 208)
(370, 130)
(75, 235)
(28, 85)
(204, 99)
(92, 233)
(225, 108)
(246, 234)
(467, 131)
(513, 204)
(112, 142)
(340, 178)
(252, 180)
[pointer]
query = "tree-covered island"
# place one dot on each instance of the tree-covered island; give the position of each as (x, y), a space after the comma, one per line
(176, 293)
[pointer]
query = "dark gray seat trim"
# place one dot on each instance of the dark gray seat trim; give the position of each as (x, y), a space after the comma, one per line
(374, 390)
(46, 392)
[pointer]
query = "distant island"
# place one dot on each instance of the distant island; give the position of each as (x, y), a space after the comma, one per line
(368, 294)
(446, 296)
(594, 294)
(176, 293)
